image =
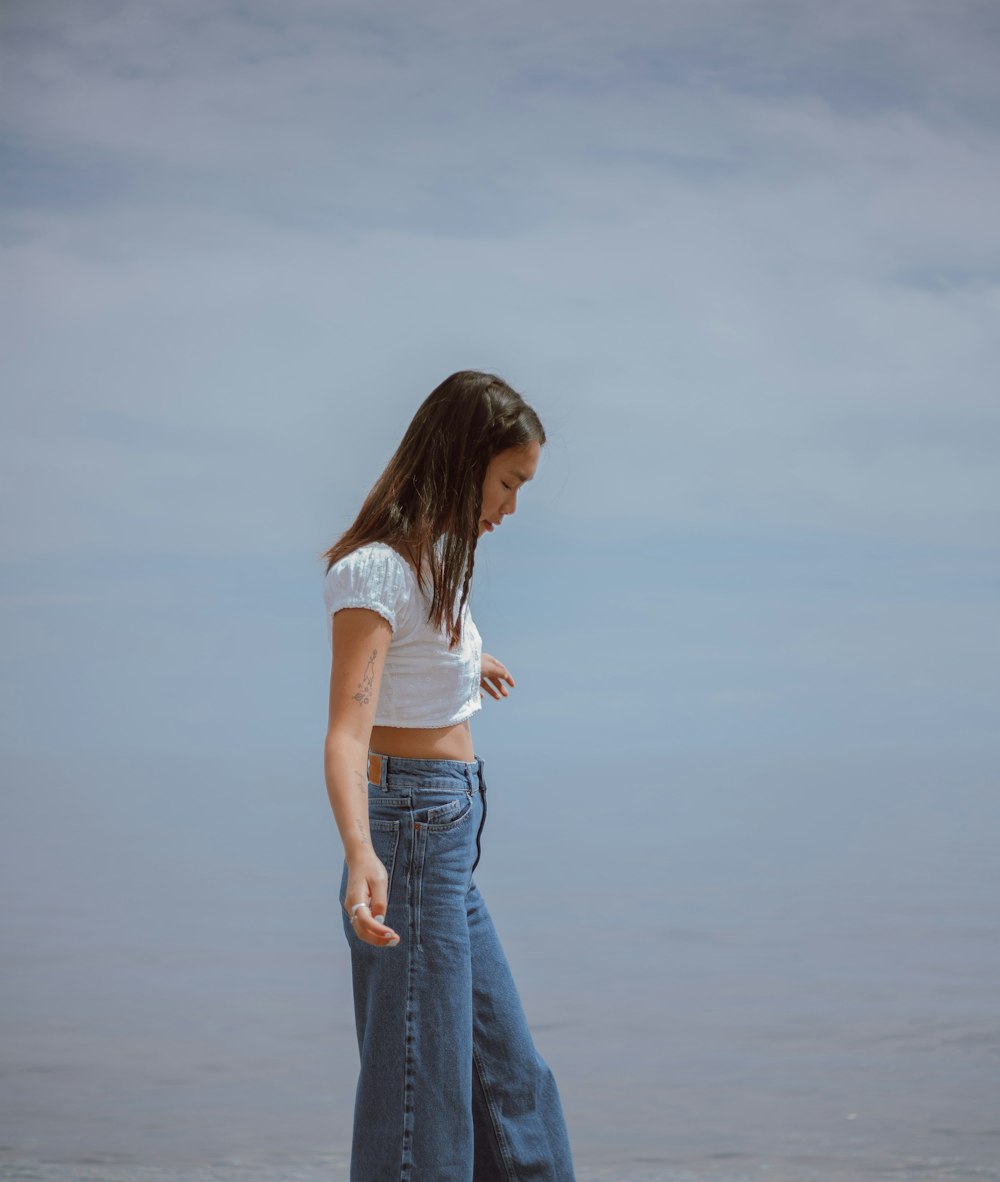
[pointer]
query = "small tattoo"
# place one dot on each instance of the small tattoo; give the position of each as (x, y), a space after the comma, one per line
(362, 831)
(364, 694)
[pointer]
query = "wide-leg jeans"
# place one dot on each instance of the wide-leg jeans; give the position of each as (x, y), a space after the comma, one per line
(451, 1087)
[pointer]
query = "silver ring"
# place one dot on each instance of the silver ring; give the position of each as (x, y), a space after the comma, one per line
(354, 910)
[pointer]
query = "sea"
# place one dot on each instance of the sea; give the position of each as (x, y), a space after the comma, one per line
(779, 966)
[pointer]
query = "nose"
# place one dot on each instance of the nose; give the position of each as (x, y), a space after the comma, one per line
(510, 503)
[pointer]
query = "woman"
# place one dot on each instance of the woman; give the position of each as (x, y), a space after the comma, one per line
(451, 1087)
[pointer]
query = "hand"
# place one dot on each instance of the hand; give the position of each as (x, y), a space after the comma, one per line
(366, 884)
(493, 677)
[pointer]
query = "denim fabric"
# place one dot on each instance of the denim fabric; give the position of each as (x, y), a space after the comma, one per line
(451, 1087)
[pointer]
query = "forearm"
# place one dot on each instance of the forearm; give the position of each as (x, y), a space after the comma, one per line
(345, 764)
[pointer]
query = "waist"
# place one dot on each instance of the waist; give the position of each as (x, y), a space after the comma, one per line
(441, 742)
(400, 770)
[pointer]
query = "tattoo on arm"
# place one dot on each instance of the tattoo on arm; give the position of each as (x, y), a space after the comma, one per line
(363, 696)
(362, 831)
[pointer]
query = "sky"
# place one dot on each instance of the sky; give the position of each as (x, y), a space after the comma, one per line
(742, 257)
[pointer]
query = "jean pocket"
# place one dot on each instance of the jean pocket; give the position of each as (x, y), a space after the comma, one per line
(385, 842)
(446, 816)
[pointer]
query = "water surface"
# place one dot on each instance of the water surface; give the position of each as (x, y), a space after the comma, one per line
(782, 968)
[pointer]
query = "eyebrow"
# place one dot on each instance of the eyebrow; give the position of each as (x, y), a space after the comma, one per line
(520, 475)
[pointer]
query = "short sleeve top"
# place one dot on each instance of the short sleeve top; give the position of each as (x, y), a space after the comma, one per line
(424, 683)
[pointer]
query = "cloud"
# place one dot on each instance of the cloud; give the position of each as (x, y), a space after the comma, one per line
(724, 243)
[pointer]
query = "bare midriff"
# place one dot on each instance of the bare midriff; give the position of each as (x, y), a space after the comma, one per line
(417, 742)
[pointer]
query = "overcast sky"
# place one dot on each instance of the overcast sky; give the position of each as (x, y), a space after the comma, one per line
(742, 257)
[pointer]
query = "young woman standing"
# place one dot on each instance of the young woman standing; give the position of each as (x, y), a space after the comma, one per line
(451, 1087)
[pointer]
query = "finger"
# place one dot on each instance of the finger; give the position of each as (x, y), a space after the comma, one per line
(372, 931)
(379, 902)
(489, 689)
(353, 897)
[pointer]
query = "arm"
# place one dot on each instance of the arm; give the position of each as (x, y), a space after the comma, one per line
(360, 643)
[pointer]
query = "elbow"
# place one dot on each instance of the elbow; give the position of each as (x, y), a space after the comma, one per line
(345, 741)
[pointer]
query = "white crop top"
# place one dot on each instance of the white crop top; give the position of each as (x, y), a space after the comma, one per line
(424, 683)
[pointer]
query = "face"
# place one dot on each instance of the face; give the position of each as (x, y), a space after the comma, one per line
(507, 471)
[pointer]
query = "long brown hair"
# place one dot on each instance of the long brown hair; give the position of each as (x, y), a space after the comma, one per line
(432, 489)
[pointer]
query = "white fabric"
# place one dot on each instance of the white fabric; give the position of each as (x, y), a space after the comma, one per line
(423, 682)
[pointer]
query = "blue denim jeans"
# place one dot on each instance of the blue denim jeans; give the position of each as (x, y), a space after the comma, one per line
(451, 1087)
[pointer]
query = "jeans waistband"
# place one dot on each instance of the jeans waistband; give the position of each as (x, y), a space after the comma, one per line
(389, 769)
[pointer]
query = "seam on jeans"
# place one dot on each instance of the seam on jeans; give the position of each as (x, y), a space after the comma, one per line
(479, 833)
(420, 857)
(406, 1146)
(406, 1142)
(491, 1108)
